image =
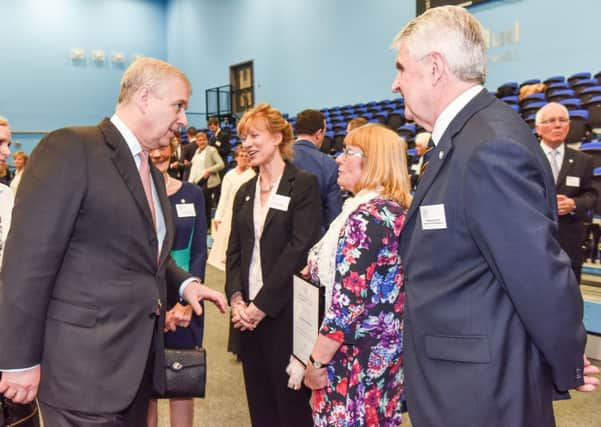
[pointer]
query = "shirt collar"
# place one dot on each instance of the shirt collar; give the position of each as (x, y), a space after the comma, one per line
(128, 135)
(560, 149)
(305, 143)
(448, 114)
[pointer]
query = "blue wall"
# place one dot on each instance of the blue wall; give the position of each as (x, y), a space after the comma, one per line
(307, 53)
(330, 52)
(41, 88)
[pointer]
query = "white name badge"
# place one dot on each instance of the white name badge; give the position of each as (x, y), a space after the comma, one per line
(573, 181)
(279, 202)
(185, 210)
(433, 217)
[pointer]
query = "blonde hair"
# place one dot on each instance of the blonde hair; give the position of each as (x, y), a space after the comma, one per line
(385, 164)
(274, 122)
(149, 72)
(4, 121)
(23, 155)
(453, 32)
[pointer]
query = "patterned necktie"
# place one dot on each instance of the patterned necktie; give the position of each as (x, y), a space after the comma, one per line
(426, 156)
(553, 162)
(145, 176)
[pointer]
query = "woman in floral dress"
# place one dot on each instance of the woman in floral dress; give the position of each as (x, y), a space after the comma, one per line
(356, 366)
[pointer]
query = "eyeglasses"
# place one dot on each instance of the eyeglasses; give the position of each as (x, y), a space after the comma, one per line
(560, 120)
(352, 153)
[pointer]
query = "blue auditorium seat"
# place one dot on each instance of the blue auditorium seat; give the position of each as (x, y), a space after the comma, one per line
(593, 106)
(589, 92)
(571, 103)
(578, 76)
(512, 99)
(556, 95)
(530, 82)
(554, 79)
(578, 126)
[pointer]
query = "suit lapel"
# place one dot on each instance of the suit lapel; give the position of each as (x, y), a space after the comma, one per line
(568, 161)
(167, 215)
(126, 165)
(444, 148)
(284, 189)
(249, 204)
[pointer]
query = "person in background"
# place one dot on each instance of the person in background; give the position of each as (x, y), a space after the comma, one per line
(86, 311)
(310, 130)
(189, 251)
(232, 181)
(220, 138)
(573, 174)
(6, 195)
(204, 171)
(493, 327)
(418, 165)
(20, 160)
(222, 222)
(23, 415)
(355, 123)
(191, 136)
(277, 217)
(179, 166)
(357, 262)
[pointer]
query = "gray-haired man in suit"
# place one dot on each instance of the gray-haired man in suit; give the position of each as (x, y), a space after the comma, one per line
(493, 314)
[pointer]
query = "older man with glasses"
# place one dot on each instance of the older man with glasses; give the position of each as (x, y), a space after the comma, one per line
(573, 174)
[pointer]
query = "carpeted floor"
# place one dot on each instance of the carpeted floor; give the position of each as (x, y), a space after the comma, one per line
(225, 402)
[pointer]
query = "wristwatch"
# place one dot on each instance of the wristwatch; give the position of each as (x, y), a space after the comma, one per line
(316, 364)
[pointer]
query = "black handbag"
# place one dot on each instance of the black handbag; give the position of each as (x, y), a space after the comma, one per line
(185, 373)
(17, 415)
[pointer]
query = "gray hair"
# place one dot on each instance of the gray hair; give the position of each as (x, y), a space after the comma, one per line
(453, 32)
(539, 114)
(150, 72)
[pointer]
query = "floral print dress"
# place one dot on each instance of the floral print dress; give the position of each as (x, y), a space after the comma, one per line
(366, 374)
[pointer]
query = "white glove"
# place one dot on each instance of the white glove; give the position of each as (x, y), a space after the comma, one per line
(296, 371)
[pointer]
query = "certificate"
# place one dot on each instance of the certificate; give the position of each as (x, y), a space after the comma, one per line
(307, 312)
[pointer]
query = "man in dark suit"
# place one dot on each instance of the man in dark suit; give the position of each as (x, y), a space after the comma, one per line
(493, 314)
(84, 314)
(310, 129)
(573, 174)
(220, 139)
(181, 160)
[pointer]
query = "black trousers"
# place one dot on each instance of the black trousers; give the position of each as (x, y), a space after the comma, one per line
(265, 353)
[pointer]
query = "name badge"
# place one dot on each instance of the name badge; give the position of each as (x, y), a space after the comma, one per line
(185, 210)
(279, 202)
(573, 181)
(433, 217)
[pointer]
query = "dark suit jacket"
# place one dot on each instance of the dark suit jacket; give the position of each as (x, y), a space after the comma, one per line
(493, 316)
(221, 142)
(80, 281)
(308, 158)
(286, 239)
(572, 232)
(186, 152)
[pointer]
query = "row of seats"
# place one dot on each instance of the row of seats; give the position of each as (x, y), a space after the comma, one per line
(580, 93)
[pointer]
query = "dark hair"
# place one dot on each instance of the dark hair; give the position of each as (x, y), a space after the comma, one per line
(308, 122)
(192, 131)
(213, 121)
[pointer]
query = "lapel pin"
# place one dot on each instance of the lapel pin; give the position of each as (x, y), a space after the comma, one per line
(441, 155)
(571, 161)
(247, 198)
(183, 201)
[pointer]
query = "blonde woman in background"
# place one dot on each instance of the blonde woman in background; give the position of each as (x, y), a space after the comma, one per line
(232, 181)
(20, 159)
